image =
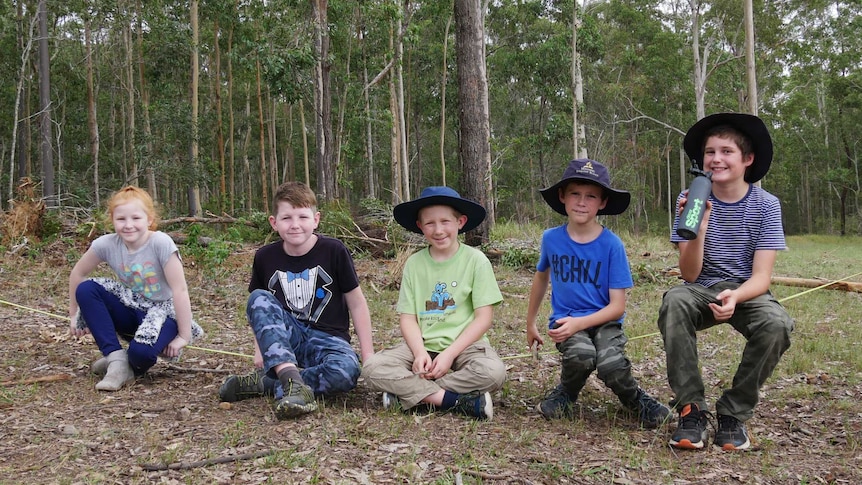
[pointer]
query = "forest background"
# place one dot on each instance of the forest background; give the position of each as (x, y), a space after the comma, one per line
(211, 103)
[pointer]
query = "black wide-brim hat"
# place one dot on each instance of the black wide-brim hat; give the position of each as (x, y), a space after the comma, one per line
(407, 213)
(752, 126)
(583, 169)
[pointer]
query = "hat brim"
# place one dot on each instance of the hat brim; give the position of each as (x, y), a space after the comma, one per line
(618, 200)
(751, 125)
(406, 214)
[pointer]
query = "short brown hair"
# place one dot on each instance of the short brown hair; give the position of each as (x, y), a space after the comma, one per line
(296, 194)
(730, 132)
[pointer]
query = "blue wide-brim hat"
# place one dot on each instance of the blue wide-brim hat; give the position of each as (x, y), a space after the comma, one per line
(583, 169)
(752, 126)
(407, 213)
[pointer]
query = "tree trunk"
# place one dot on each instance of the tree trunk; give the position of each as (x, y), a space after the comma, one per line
(304, 142)
(22, 137)
(145, 106)
(475, 148)
(402, 122)
(262, 141)
(219, 131)
(443, 83)
(230, 138)
(579, 146)
(194, 190)
(130, 93)
(322, 102)
(45, 109)
(246, 163)
(92, 121)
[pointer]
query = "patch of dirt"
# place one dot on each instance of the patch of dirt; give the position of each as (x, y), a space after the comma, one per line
(170, 428)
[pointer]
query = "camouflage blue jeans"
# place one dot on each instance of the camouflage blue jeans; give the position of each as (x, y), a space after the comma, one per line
(763, 322)
(328, 364)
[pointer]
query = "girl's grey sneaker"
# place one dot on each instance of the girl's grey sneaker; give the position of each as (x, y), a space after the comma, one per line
(558, 404)
(118, 374)
(99, 367)
(298, 400)
(475, 404)
(731, 434)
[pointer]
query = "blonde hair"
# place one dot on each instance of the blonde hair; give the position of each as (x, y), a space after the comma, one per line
(130, 193)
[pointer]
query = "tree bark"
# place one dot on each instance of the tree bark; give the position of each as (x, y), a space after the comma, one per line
(326, 186)
(474, 145)
(92, 120)
(45, 109)
(194, 190)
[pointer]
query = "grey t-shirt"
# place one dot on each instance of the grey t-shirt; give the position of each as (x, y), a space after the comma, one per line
(143, 270)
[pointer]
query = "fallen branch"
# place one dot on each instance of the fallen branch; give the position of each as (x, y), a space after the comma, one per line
(851, 286)
(33, 380)
(482, 475)
(207, 462)
(814, 283)
(208, 220)
(198, 369)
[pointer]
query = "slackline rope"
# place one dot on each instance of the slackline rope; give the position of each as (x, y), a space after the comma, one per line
(653, 334)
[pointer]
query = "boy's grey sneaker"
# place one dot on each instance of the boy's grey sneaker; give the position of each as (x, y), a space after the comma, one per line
(475, 404)
(691, 432)
(651, 413)
(236, 388)
(557, 404)
(298, 400)
(731, 434)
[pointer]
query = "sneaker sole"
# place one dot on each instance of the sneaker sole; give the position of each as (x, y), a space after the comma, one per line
(488, 410)
(687, 444)
(731, 447)
(290, 410)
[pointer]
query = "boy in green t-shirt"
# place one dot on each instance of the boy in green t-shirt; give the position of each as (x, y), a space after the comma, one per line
(446, 305)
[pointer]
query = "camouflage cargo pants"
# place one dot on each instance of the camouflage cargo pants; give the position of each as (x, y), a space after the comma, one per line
(600, 349)
(763, 322)
(328, 364)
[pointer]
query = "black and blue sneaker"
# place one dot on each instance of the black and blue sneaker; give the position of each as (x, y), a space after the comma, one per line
(691, 432)
(475, 404)
(731, 434)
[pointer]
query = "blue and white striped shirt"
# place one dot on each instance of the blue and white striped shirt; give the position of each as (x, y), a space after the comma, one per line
(735, 232)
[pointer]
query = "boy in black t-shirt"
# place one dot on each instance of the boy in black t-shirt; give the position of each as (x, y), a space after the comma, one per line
(304, 291)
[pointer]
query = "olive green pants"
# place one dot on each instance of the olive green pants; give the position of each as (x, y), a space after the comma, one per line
(763, 322)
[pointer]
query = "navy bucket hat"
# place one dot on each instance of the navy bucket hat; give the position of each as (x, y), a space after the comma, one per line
(407, 213)
(583, 169)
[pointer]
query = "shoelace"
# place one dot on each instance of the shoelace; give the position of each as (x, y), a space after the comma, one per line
(728, 422)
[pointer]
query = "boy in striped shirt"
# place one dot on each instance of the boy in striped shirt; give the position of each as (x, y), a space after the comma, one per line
(727, 270)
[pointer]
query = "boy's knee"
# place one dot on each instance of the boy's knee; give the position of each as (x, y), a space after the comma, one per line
(579, 362)
(496, 374)
(674, 297)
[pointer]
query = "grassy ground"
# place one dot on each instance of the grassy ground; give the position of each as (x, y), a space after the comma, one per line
(807, 428)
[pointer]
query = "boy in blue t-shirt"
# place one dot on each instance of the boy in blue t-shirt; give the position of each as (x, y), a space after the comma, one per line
(587, 268)
(727, 270)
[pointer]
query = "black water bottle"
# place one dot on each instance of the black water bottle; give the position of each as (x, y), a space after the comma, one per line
(695, 206)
